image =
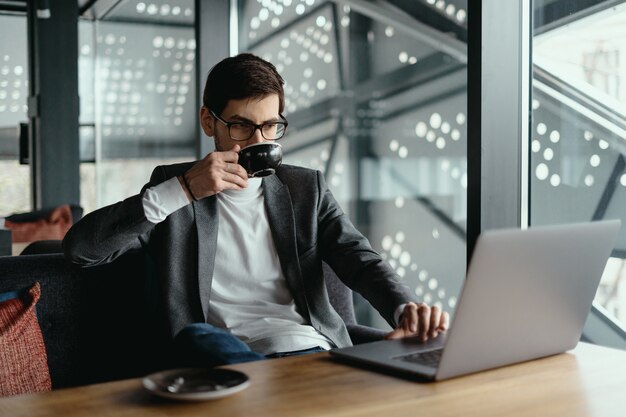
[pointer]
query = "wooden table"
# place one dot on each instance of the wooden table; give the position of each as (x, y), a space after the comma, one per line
(589, 381)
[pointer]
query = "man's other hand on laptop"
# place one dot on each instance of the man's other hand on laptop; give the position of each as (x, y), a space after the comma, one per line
(420, 320)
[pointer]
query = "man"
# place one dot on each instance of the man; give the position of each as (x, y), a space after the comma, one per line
(239, 259)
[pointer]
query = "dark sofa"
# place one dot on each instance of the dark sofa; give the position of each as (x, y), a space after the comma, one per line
(99, 323)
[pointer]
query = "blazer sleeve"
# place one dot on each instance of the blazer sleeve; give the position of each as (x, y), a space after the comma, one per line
(353, 259)
(105, 234)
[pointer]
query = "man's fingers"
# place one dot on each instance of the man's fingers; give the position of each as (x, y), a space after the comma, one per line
(435, 320)
(395, 334)
(444, 323)
(423, 320)
(234, 179)
(409, 322)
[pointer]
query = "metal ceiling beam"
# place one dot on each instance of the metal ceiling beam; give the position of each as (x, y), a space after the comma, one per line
(98, 9)
(391, 15)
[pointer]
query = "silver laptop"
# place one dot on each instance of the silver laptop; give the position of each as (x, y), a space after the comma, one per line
(527, 295)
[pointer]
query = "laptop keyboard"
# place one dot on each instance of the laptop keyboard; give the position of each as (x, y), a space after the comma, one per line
(429, 358)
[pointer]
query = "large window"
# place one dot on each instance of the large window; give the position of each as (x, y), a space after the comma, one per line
(578, 130)
(14, 177)
(138, 91)
(376, 100)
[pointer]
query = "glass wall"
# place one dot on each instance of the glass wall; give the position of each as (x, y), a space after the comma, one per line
(375, 102)
(14, 177)
(578, 127)
(138, 90)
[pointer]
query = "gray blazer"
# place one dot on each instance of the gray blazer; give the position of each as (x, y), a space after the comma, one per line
(307, 225)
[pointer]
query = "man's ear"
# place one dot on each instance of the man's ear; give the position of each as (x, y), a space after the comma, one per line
(207, 122)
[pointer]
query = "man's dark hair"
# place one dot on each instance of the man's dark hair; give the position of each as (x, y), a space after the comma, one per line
(239, 77)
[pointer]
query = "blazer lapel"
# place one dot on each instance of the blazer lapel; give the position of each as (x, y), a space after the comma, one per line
(282, 224)
(207, 222)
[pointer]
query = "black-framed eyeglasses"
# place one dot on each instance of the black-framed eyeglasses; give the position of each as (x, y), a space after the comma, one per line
(244, 131)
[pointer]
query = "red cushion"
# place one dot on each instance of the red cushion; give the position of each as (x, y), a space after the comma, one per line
(23, 359)
(53, 227)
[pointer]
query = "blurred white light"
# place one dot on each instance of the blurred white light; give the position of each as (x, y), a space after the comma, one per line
(421, 129)
(603, 144)
(403, 152)
(594, 160)
(464, 180)
(405, 259)
(141, 7)
(548, 154)
(435, 120)
(455, 134)
(445, 127)
(588, 135)
(536, 146)
(387, 242)
(555, 136)
(389, 31)
(396, 250)
(542, 128)
(300, 9)
(321, 84)
(403, 57)
(460, 118)
(589, 180)
(542, 171)
(555, 180)
(461, 15)
(394, 145)
(399, 202)
(320, 21)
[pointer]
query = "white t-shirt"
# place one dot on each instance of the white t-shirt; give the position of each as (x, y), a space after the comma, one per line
(249, 294)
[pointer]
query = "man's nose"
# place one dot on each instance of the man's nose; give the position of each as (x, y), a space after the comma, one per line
(257, 137)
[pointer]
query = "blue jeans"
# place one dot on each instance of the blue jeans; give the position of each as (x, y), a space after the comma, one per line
(200, 344)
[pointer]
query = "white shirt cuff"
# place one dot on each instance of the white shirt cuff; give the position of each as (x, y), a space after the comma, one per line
(398, 313)
(162, 200)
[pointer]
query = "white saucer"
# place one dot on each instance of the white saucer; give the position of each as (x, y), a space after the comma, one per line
(196, 384)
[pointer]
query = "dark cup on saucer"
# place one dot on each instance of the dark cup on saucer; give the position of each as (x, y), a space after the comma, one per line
(261, 159)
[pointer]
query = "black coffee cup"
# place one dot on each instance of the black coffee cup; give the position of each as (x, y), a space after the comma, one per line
(261, 159)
